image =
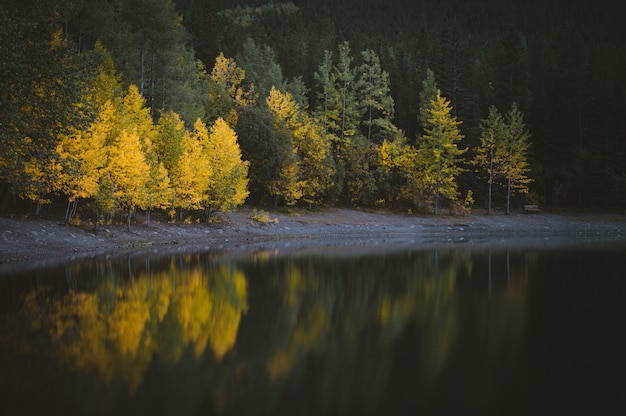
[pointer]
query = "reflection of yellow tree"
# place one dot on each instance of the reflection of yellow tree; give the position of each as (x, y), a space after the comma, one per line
(305, 334)
(211, 313)
(116, 330)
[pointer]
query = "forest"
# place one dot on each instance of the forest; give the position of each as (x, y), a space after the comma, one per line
(190, 107)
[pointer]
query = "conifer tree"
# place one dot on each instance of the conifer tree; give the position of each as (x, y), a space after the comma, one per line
(261, 69)
(438, 147)
(345, 79)
(375, 101)
(328, 96)
(426, 95)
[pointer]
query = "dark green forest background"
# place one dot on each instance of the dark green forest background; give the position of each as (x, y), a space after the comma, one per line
(562, 62)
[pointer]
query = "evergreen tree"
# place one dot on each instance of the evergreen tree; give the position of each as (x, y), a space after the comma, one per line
(261, 69)
(328, 97)
(264, 147)
(426, 95)
(439, 151)
(377, 105)
(345, 79)
(39, 84)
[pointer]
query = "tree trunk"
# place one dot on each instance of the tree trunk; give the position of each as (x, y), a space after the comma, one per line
(508, 197)
(130, 214)
(343, 121)
(70, 212)
(490, 183)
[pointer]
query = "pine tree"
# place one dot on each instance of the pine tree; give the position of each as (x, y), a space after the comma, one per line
(345, 78)
(328, 96)
(261, 69)
(439, 150)
(376, 103)
(426, 95)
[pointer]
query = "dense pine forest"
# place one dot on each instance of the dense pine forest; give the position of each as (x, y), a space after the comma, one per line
(197, 106)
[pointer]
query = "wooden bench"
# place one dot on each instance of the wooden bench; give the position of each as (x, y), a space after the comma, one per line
(532, 208)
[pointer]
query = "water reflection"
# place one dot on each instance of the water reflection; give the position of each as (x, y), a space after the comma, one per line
(300, 334)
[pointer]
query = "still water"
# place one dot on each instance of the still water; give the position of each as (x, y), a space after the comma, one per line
(442, 330)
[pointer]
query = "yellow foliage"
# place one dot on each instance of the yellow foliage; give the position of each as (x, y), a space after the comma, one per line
(116, 330)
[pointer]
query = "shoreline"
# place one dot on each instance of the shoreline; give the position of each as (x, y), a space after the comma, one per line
(28, 242)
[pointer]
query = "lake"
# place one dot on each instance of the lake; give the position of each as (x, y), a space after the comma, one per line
(512, 328)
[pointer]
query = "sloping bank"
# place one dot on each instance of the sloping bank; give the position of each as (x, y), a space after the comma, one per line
(34, 242)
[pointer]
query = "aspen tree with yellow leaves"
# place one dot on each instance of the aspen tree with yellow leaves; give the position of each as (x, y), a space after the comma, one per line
(129, 172)
(439, 151)
(315, 164)
(82, 157)
(226, 90)
(228, 173)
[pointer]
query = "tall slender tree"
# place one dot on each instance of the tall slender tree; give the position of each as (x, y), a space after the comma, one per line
(515, 155)
(489, 154)
(376, 103)
(228, 178)
(439, 150)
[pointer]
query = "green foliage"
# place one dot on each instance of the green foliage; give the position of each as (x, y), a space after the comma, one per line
(427, 94)
(61, 63)
(488, 154)
(311, 148)
(514, 162)
(377, 105)
(503, 153)
(261, 69)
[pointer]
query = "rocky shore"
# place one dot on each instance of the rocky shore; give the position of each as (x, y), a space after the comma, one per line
(28, 241)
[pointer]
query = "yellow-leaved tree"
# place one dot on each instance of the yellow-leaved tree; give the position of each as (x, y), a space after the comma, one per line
(82, 158)
(315, 167)
(191, 176)
(129, 172)
(80, 150)
(228, 176)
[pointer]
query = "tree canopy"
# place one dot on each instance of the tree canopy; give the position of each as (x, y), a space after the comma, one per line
(323, 106)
